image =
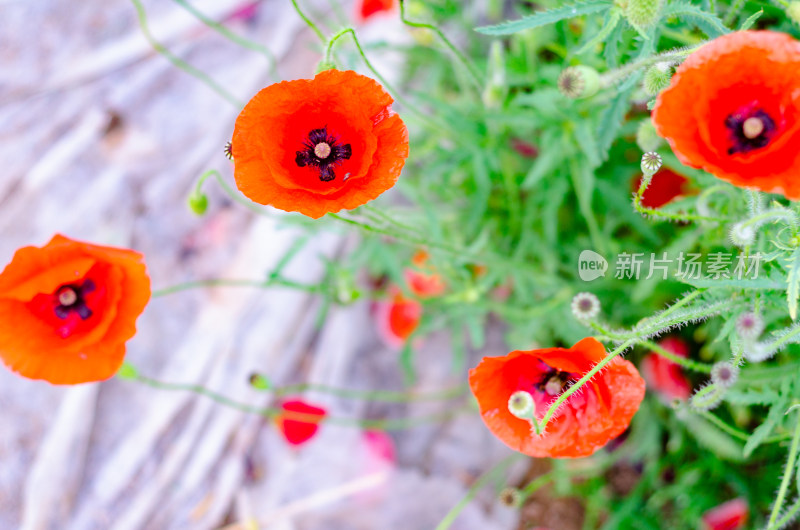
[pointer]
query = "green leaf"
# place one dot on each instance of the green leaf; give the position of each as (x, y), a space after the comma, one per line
(747, 24)
(775, 415)
(793, 281)
(710, 24)
(611, 120)
(545, 17)
(733, 283)
(612, 19)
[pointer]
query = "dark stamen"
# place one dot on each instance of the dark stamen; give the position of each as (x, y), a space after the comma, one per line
(749, 128)
(71, 297)
(323, 152)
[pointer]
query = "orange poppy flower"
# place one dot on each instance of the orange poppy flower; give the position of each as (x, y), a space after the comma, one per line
(318, 146)
(397, 318)
(368, 8)
(733, 109)
(588, 419)
(300, 430)
(665, 186)
(423, 281)
(67, 309)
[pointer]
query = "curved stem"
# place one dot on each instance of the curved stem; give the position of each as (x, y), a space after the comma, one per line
(231, 36)
(471, 68)
(655, 212)
(677, 359)
(308, 22)
(141, 14)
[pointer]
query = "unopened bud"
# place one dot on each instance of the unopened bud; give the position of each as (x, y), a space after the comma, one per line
(749, 326)
(742, 235)
(259, 382)
(643, 13)
(585, 306)
(706, 398)
(657, 78)
(198, 202)
(724, 374)
(646, 136)
(578, 82)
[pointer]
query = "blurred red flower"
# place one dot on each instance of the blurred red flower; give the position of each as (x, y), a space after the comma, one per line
(728, 516)
(397, 318)
(68, 308)
(664, 376)
(319, 146)
(299, 421)
(369, 8)
(665, 186)
(588, 420)
(733, 109)
(423, 280)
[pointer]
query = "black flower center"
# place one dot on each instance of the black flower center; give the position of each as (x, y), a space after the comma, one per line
(749, 128)
(553, 382)
(324, 152)
(72, 298)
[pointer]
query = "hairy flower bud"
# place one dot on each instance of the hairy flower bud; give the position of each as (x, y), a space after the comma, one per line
(578, 82)
(646, 136)
(757, 352)
(724, 374)
(749, 326)
(657, 78)
(643, 13)
(707, 397)
(742, 235)
(585, 306)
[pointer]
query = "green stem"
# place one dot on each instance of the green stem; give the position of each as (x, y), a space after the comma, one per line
(624, 71)
(541, 425)
(230, 35)
(224, 282)
(655, 212)
(535, 484)
(453, 514)
(178, 62)
(677, 359)
(471, 68)
(788, 517)
(309, 22)
(733, 12)
(787, 476)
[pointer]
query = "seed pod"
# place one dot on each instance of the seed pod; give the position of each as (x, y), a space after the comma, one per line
(578, 82)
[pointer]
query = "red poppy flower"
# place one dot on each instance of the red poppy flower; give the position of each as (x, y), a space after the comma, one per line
(665, 186)
(67, 309)
(423, 281)
(397, 318)
(589, 419)
(728, 516)
(368, 8)
(318, 146)
(300, 427)
(733, 109)
(664, 376)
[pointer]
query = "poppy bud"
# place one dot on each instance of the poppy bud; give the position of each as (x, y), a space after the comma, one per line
(706, 398)
(657, 78)
(496, 90)
(724, 374)
(578, 82)
(127, 371)
(259, 382)
(643, 13)
(742, 235)
(651, 162)
(749, 326)
(198, 202)
(646, 136)
(793, 12)
(324, 65)
(585, 306)
(757, 352)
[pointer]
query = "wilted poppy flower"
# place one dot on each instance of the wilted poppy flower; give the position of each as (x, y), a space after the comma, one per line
(67, 309)
(397, 318)
(728, 516)
(423, 280)
(664, 376)
(318, 146)
(368, 8)
(589, 418)
(733, 109)
(299, 421)
(665, 186)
